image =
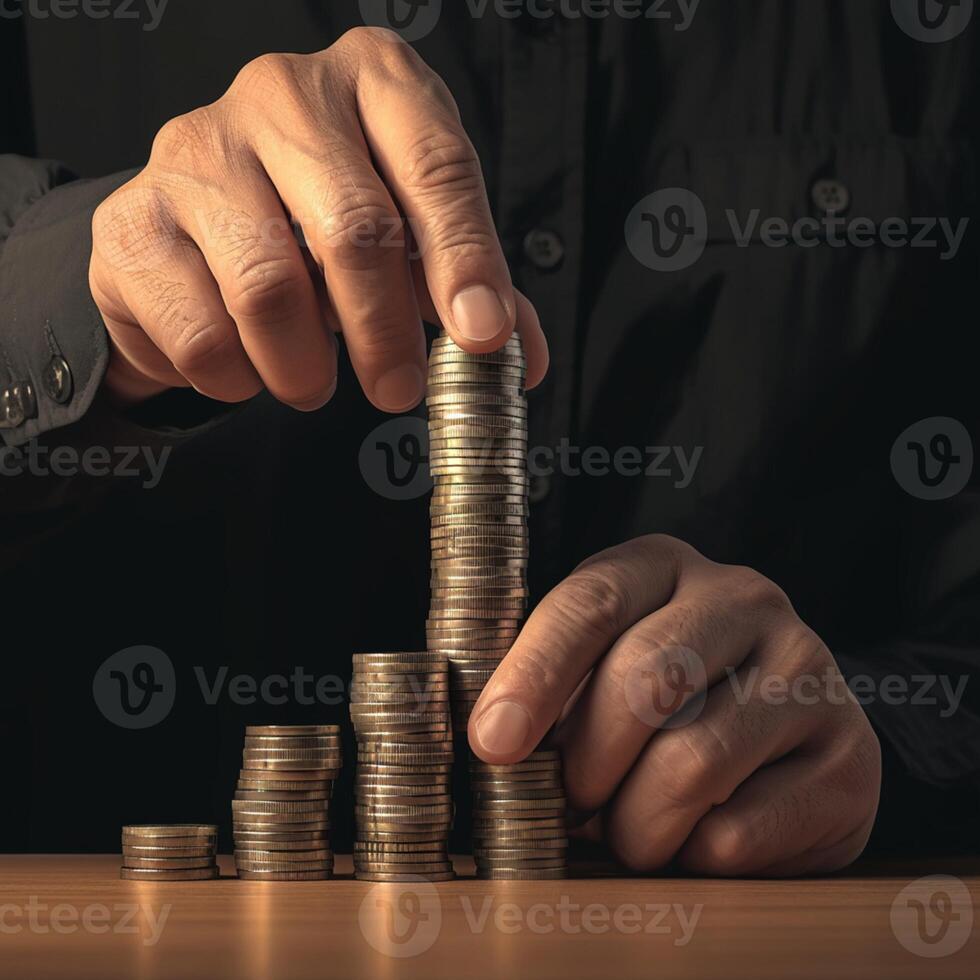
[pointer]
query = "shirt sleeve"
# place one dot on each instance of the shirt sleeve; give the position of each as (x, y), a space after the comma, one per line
(53, 345)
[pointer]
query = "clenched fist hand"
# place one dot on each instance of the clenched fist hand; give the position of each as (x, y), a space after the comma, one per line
(335, 191)
(699, 719)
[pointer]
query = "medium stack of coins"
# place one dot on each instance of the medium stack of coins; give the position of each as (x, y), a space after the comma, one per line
(402, 793)
(519, 818)
(478, 462)
(281, 809)
(170, 852)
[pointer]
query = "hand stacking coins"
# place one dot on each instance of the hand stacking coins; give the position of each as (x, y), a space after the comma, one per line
(281, 808)
(402, 798)
(478, 460)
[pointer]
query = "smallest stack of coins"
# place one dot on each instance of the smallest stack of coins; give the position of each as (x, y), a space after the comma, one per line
(169, 852)
(281, 810)
(402, 796)
(519, 818)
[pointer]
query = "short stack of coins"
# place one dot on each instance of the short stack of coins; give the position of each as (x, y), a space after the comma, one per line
(519, 818)
(402, 792)
(478, 461)
(281, 810)
(169, 852)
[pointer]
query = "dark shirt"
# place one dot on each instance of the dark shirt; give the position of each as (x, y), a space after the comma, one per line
(752, 399)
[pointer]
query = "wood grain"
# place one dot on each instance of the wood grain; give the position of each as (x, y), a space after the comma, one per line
(661, 928)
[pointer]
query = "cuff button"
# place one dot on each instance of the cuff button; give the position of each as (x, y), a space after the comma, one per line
(57, 380)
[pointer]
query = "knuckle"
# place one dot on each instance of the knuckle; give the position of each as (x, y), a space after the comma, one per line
(753, 589)
(267, 74)
(442, 161)
(267, 288)
(722, 846)
(691, 763)
(198, 345)
(365, 39)
(358, 229)
(594, 601)
(133, 225)
(192, 140)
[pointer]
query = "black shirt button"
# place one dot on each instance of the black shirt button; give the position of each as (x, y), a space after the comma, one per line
(539, 488)
(57, 380)
(544, 249)
(830, 196)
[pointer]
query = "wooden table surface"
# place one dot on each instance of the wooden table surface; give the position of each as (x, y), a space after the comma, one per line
(72, 917)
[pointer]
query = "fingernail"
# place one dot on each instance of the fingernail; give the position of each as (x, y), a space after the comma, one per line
(503, 728)
(400, 389)
(478, 313)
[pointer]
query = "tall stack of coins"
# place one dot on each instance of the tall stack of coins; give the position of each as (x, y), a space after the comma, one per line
(402, 794)
(281, 810)
(478, 461)
(519, 818)
(169, 852)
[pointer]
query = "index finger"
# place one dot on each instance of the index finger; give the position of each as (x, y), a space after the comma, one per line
(413, 128)
(572, 627)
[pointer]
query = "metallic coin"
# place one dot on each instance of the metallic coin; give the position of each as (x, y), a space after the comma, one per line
(196, 843)
(277, 807)
(168, 864)
(171, 830)
(522, 874)
(188, 874)
(382, 876)
(383, 867)
(280, 842)
(272, 825)
(285, 875)
(422, 659)
(429, 834)
(280, 796)
(407, 851)
(292, 730)
(291, 867)
(256, 856)
(300, 743)
(324, 775)
(190, 853)
(295, 765)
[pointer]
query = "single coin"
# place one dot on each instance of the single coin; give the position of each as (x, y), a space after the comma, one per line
(522, 874)
(381, 876)
(243, 864)
(171, 830)
(292, 730)
(285, 875)
(324, 776)
(266, 842)
(190, 853)
(265, 826)
(282, 796)
(300, 743)
(207, 844)
(277, 807)
(383, 867)
(270, 854)
(406, 851)
(188, 874)
(168, 864)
